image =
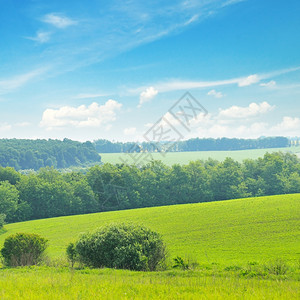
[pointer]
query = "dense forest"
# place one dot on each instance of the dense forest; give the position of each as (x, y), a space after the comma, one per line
(35, 154)
(50, 193)
(196, 144)
(24, 154)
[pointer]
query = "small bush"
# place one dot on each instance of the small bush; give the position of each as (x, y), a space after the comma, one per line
(277, 267)
(122, 246)
(23, 249)
(71, 253)
(180, 263)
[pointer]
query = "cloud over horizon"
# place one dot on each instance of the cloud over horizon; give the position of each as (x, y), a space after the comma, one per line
(94, 115)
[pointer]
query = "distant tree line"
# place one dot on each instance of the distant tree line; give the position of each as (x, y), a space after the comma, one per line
(50, 193)
(22, 154)
(35, 154)
(196, 144)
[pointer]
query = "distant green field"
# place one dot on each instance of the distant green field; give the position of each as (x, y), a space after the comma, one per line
(224, 232)
(171, 158)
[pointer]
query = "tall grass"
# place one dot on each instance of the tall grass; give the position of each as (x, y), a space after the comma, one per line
(50, 283)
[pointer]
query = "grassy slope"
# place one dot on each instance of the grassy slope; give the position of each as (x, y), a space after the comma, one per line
(225, 232)
(185, 157)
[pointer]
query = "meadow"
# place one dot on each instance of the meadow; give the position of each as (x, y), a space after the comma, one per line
(172, 158)
(225, 232)
(52, 283)
(237, 249)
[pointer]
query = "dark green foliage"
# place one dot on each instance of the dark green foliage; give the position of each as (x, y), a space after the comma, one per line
(179, 263)
(10, 175)
(71, 253)
(196, 144)
(2, 220)
(9, 197)
(35, 154)
(50, 193)
(23, 249)
(122, 246)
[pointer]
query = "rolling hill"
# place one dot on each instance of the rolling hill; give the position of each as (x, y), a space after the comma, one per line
(224, 232)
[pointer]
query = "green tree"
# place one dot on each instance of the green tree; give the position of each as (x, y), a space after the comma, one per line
(10, 175)
(227, 181)
(9, 197)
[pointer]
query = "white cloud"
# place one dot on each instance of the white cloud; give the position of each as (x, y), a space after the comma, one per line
(235, 121)
(129, 131)
(269, 84)
(93, 115)
(175, 85)
(288, 124)
(58, 20)
(13, 83)
(251, 79)
(5, 127)
(193, 19)
(238, 112)
(147, 95)
(215, 94)
(41, 37)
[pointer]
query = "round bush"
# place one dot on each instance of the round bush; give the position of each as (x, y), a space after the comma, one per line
(23, 249)
(122, 246)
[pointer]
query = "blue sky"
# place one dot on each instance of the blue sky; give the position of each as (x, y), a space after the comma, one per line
(111, 69)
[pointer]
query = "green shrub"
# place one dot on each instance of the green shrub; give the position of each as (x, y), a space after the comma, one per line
(23, 249)
(180, 263)
(277, 267)
(122, 246)
(71, 253)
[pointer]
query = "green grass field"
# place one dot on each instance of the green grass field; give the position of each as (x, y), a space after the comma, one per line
(171, 158)
(224, 232)
(232, 241)
(50, 283)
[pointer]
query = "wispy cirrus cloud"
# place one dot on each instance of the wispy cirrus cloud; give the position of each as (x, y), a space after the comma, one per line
(58, 20)
(174, 85)
(269, 84)
(41, 37)
(10, 84)
(118, 27)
